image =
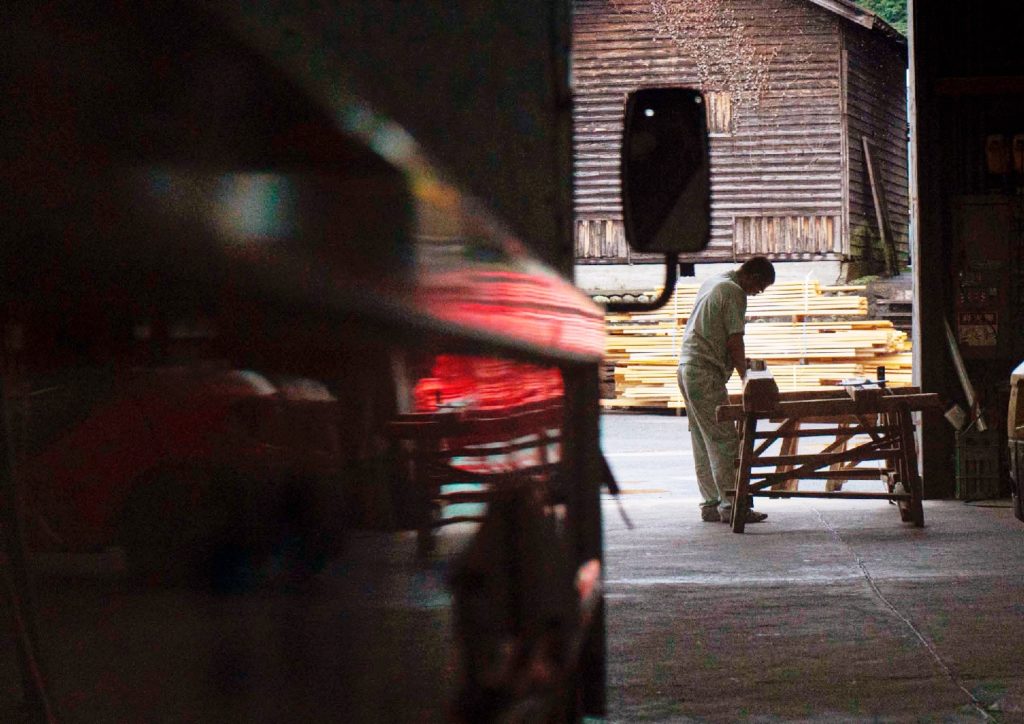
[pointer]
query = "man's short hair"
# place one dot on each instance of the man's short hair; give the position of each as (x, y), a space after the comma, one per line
(760, 268)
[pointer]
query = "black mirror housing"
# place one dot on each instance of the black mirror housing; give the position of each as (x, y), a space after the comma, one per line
(665, 171)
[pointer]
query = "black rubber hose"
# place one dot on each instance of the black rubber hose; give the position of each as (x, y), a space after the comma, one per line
(671, 274)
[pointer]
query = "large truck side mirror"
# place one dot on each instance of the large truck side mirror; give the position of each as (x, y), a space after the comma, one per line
(666, 179)
(666, 183)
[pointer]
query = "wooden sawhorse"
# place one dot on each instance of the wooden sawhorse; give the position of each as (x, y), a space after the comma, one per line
(881, 414)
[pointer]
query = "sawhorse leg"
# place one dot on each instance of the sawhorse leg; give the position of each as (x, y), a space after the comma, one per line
(790, 446)
(740, 507)
(834, 485)
(908, 454)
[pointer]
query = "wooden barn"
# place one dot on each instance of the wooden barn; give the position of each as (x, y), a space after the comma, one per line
(807, 114)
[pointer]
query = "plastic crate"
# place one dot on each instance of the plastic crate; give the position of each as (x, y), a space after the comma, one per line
(978, 474)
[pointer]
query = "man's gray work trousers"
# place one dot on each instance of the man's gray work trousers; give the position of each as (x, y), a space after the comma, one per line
(715, 444)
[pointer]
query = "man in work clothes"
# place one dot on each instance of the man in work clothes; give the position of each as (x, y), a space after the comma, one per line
(712, 348)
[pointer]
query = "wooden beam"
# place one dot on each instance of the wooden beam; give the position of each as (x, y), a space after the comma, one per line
(863, 474)
(760, 392)
(867, 451)
(881, 210)
(849, 495)
(988, 85)
(831, 408)
(848, 10)
(872, 453)
(784, 431)
(774, 435)
(798, 395)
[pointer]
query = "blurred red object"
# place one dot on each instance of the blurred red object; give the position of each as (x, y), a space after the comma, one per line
(484, 383)
(176, 427)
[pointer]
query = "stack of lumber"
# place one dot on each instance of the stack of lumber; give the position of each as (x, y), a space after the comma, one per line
(811, 336)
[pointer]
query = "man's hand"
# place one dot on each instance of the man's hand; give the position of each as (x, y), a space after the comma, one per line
(737, 353)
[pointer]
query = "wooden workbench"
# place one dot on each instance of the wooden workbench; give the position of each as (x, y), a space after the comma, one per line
(880, 414)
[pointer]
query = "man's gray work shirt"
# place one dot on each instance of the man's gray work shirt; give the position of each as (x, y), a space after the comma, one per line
(718, 313)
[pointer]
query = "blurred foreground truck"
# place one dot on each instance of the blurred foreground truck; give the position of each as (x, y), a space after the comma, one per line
(295, 429)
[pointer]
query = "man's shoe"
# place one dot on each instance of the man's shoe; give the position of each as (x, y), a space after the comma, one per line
(709, 514)
(752, 516)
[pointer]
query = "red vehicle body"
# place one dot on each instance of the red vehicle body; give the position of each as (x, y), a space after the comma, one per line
(163, 439)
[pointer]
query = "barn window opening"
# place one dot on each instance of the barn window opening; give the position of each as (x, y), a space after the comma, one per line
(719, 109)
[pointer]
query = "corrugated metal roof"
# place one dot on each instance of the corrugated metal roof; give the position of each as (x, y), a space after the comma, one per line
(861, 16)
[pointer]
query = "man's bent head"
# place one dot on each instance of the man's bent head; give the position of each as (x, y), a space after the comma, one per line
(755, 275)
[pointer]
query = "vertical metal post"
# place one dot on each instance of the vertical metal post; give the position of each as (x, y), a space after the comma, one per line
(15, 577)
(929, 246)
(582, 451)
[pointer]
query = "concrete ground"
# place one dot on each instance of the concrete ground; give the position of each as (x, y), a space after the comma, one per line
(828, 611)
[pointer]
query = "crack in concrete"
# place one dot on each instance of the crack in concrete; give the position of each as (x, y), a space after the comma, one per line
(978, 705)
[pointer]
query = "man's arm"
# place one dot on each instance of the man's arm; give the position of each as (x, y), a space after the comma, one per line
(737, 353)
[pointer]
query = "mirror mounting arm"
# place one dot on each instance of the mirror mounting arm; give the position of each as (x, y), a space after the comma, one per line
(671, 275)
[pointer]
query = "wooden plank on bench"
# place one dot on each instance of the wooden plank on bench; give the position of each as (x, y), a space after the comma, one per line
(831, 408)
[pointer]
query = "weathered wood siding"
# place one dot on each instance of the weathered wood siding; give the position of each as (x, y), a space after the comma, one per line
(779, 172)
(876, 100)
